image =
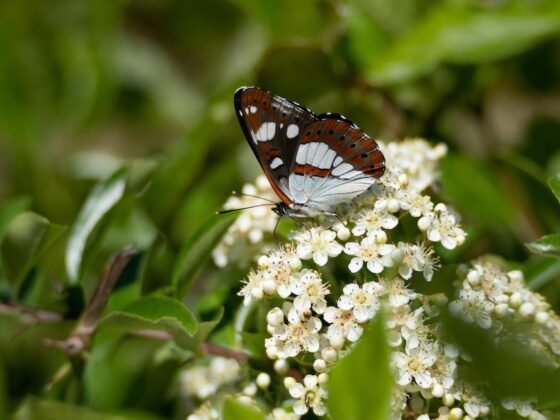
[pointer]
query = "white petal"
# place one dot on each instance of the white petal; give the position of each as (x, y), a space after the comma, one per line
(355, 265)
(310, 381)
(352, 248)
(374, 266)
(423, 379)
(296, 390)
(320, 258)
(434, 235)
(334, 249)
(345, 302)
(448, 242)
(304, 251)
(300, 408)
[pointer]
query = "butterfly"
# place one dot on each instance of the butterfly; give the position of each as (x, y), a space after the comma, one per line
(313, 162)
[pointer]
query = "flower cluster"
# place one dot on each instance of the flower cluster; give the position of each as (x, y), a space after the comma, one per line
(252, 224)
(315, 314)
(204, 381)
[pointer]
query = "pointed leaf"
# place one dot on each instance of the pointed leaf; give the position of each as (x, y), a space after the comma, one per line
(474, 189)
(547, 245)
(554, 184)
(101, 199)
(156, 312)
(234, 409)
(26, 238)
(361, 384)
(42, 409)
(9, 210)
(197, 251)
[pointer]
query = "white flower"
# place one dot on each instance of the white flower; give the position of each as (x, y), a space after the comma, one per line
(415, 258)
(441, 226)
(362, 301)
(317, 243)
(373, 222)
(310, 292)
(414, 331)
(281, 414)
(397, 292)
(375, 255)
(343, 324)
(420, 205)
(252, 223)
(472, 306)
(253, 287)
(203, 381)
(310, 394)
(204, 412)
(415, 365)
(288, 340)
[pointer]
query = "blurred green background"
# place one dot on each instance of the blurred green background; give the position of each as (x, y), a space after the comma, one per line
(88, 87)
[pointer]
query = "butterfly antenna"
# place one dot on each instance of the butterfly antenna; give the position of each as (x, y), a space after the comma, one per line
(253, 196)
(242, 208)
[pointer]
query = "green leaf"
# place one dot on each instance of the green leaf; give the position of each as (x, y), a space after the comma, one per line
(547, 245)
(26, 238)
(9, 210)
(156, 313)
(234, 409)
(205, 328)
(541, 270)
(361, 384)
(102, 198)
(475, 190)
(196, 252)
(554, 184)
(39, 409)
(463, 35)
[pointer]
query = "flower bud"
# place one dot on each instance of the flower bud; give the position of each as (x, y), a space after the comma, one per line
(263, 261)
(289, 381)
(424, 223)
(541, 317)
(343, 233)
(329, 354)
(281, 366)
(263, 380)
(393, 205)
(269, 286)
(455, 414)
(448, 400)
(437, 391)
(527, 310)
(473, 277)
(323, 378)
(515, 300)
(275, 317)
(250, 390)
(319, 365)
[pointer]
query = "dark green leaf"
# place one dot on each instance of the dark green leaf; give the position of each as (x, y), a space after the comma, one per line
(26, 238)
(236, 410)
(474, 189)
(155, 312)
(554, 184)
(205, 328)
(463, 35)
(140, 174)
(101, 199)
(547, 245)
(540, 270)
(360, 385)
(9, 210)
(196, 252)
(39, 409)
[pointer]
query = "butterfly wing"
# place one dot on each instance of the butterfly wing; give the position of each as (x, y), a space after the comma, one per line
(272, 126)
(335, 161)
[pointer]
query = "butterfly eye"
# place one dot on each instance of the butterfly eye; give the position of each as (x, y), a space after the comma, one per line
(341, 137)
(353, 145)
(318, 132)
(331, 132)
(364, 155)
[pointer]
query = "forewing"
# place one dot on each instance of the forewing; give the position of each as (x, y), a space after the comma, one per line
(335, 161)
(272, 126)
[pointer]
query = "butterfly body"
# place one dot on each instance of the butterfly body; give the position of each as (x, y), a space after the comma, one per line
(313, 162)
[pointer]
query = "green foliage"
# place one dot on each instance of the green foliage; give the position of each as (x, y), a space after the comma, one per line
(234, 409)
(155, 312)
(196, 252)
(26, 238)
(361, 385)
